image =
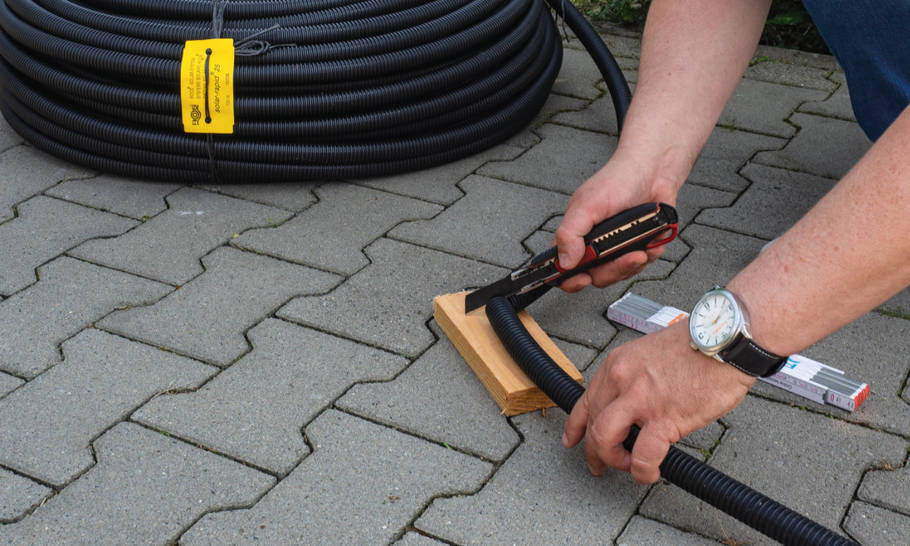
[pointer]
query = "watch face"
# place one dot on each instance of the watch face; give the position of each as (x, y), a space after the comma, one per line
(715, 321)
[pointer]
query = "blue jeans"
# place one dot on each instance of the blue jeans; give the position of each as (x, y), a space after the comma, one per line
(871, 41)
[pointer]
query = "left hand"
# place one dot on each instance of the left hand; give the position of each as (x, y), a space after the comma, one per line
(660, 384)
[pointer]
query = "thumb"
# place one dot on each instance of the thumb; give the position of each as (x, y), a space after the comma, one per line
(570, 242)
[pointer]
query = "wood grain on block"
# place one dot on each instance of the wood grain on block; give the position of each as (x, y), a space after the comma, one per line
(473, 336)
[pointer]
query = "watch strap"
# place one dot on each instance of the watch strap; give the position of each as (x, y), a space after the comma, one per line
(748, 357)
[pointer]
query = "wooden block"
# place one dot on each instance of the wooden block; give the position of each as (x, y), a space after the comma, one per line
(474, 337)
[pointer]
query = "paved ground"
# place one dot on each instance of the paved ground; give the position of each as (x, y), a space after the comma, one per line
(211, 365)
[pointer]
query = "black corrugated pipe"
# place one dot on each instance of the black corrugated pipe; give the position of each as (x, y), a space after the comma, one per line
(679, 468)
(329, 89)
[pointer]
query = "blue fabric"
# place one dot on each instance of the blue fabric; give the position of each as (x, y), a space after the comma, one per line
(871, 41)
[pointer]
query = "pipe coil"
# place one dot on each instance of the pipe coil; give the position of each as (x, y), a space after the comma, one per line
(368, 88)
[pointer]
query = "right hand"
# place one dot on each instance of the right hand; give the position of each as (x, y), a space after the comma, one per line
(621, 184)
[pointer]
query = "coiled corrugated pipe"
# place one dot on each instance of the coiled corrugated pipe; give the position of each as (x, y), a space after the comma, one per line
(369, 88)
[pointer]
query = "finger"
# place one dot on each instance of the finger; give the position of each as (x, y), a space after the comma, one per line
(574, 429)
(619, 269)
(576, 282)
(570, 234)
(607, 432)
(649, 451)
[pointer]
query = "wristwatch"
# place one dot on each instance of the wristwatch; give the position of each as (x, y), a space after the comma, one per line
(719, 327)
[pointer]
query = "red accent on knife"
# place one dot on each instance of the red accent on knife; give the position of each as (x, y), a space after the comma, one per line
(668, 235)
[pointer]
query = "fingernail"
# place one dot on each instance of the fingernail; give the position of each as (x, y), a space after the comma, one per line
(565, 440)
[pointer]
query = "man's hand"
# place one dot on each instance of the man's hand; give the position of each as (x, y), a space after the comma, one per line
(660, 384)
(621, 184)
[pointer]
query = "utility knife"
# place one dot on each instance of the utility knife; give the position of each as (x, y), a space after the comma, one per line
(639, 228)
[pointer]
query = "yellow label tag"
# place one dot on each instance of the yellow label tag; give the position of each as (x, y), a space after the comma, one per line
(207, 86)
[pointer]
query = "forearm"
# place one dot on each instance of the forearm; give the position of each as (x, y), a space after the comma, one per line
(693, 56)
(850, 253)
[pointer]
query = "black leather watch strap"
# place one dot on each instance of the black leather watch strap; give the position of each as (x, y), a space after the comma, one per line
(748, 357)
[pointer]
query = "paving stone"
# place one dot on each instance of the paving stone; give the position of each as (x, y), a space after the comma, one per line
(195, 223)
(25, 172)
(393, 475)
(207, 317)
(488, 223)
(17, 496)
(823, 146)
(438, 397)
(578, 76)
(867, 350)
(134, 198)
(416, 539)
(69, 297)
(564, 159)
(331, 234)
(803, 460)
(746, 109)
(646, 531)
(255, 410)
(45, 228)
(836, 106)
(8, 384)
(291, 196)
(439, 184)
(621, 45)
(887, 488)
(874, 526)
(554, 105)
(600, 115)
(145, 489)
(388, 303)
(101, 380)
(796, 57)
(8, 137)
(548, 487)
(790, 74)
(581, 317)
(898, 305)
(724, 155)
(776, 199)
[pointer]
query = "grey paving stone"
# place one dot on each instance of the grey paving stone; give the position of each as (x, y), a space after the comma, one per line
(805, 461)
(416, 539)
(393, 475)
(17, 496)
(874, 526)
(564, 159)
(646, 531)
(331, 234)
(621, 45)
(145, 489)
(255, 410)
(887, 488)
(207, 317)
(290, 196)
(749, 108)
(555, 104)
(899, 305)
(388, 303)
(69, 297)
(791, 74)
(8, 383)
(776, 199)
(168, 247)
(867, 350)
(578, 76)
(823, 146)
(8, 137)
(488, 223)
(725, 153)
(101, 380)
(134, 198)
(439, 184)
(25, 172)
(543, 494)
(599, 116)
(438, 397)
(796, 57)
(581, 317)
(45, 228)
(837, 105)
